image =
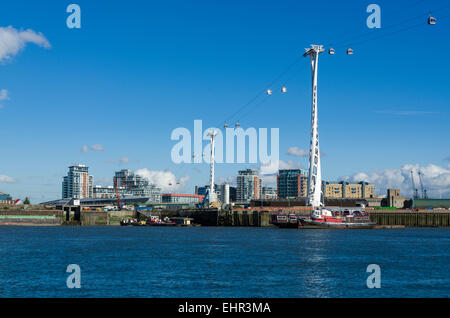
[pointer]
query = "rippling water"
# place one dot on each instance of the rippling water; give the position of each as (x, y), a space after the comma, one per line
(223, 262)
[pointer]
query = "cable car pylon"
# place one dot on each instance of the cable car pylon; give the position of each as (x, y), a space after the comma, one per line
(431, 19)
(314, 196)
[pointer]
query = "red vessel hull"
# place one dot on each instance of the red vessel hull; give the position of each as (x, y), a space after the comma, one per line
(335, 224)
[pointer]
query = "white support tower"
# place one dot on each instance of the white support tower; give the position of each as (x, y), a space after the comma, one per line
(314, 197)
(212, 193)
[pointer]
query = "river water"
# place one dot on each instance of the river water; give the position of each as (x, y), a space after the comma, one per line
(223, 262)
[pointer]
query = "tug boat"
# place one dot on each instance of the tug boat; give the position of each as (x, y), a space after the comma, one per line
(156, 221)
(324, 219)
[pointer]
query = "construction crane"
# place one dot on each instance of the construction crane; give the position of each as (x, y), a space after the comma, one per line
(424, 191)
(205, 200)
(119, 203)
(415, 191)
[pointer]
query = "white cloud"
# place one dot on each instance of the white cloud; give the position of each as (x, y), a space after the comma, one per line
(124, 160)
(103, 181)
(6, 179)
(436, 179)
(96, 147)
(84, 148)
(231, 180)
(12, 41)
(165, 180)
(296, 151)
(4, 95)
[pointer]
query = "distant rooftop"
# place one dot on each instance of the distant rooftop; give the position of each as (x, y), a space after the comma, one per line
(88, 201)
(183, 195)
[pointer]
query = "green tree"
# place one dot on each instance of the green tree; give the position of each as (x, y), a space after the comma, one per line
(26, 201)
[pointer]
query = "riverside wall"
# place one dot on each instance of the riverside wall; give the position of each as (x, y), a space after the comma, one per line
(254, 217)
(408, 218)
(31, 217)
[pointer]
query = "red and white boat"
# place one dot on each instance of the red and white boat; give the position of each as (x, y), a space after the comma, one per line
(323, 218)
(156, 221)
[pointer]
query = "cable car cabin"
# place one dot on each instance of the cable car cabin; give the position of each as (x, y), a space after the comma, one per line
(331, 51)
(269, 92)
(431, 20)
(350, 52)
(283, 89)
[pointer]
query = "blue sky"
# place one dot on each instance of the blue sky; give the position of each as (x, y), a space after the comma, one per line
(136, 70)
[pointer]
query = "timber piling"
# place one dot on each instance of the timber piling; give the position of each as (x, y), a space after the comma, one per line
(411, 218)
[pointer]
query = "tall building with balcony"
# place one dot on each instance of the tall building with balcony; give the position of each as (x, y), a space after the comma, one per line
(269, 193)
(233, 194)
(107, 192)
(292, 183)
(129, 183)
(78, 184)
(249, 185)
(128, 179)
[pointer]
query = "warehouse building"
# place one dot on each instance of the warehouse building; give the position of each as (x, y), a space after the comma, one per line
(431, 203)
(5, 198)
(182, 198)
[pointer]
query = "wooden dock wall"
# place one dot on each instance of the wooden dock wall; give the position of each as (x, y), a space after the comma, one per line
(215, 217)
(244, 218)
(104, 218)
(412, 218)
